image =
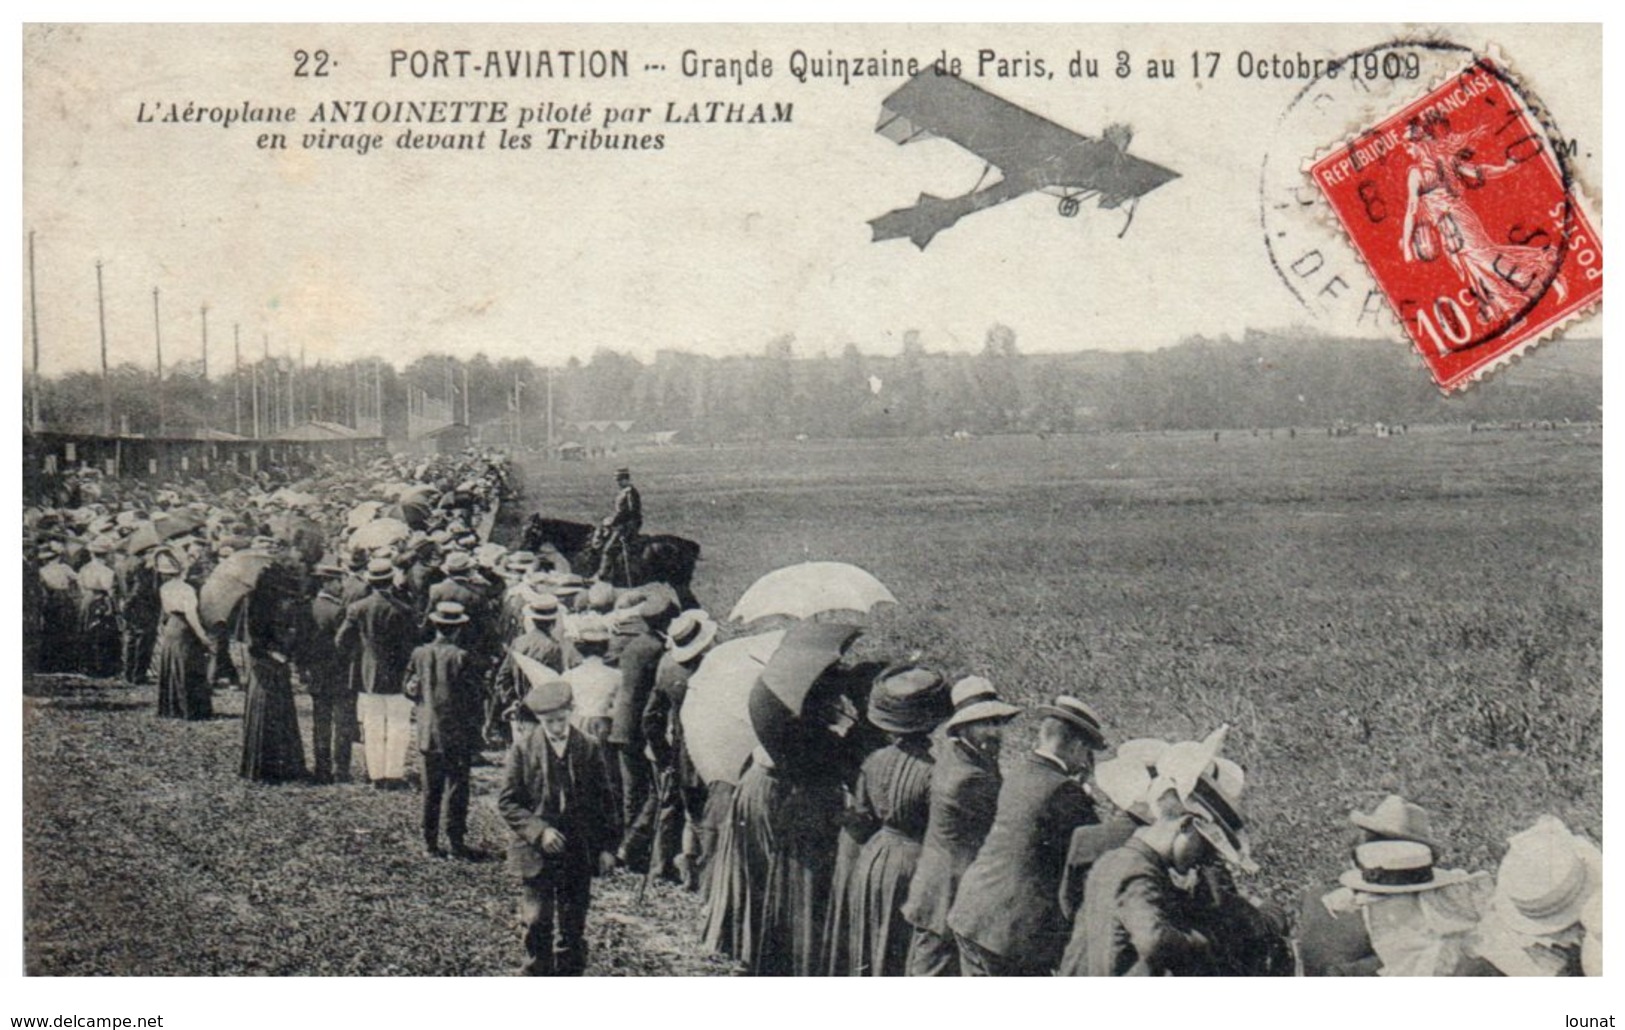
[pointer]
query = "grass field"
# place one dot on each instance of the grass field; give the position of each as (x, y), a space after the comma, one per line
(1420, 614)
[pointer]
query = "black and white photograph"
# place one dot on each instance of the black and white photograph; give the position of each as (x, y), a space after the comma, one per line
(823, 500)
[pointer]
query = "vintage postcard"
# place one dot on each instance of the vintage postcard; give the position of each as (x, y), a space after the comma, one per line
(812, 500)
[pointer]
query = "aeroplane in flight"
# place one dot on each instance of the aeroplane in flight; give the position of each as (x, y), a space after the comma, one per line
(1031, 153)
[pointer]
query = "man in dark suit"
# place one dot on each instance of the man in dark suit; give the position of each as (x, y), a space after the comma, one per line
(556, 798)
(377, 634)
(964, 795)
(638, 647)
(332, 699)
(1007, 914)
(682, 844)
(135, 592)
(440, 677)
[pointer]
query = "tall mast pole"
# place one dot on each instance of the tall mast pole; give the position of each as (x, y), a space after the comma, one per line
(290, 391)
(237, 380)
(158, 347)
(270, 384)
(550, 413)
(33, 309)
(254, 393)
(107, 386)
(208, 394)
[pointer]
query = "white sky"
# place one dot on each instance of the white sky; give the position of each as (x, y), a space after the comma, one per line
(726, 238)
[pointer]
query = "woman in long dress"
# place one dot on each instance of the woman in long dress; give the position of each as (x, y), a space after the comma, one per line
(272, 750)
(769, 882)
(182, 653)
(891, 804)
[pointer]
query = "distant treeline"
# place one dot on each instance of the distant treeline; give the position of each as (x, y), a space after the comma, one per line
(1261, 380)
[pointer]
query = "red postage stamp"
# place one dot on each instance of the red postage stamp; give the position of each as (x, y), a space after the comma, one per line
(1467, 217)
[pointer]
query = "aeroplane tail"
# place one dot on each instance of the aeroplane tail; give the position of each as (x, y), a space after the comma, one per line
(920, 223)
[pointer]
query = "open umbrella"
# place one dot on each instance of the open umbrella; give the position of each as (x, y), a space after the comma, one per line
(379, 533)
(716, 708)
(362, 514)
(779, 698)
(229, 583)
(164, 527)
(804, 590)
(807, 650)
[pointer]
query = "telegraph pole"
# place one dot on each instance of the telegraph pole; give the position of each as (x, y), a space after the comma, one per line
(33, 308)
(290, 390)
(237, 380)
(270, 384)
(550, 413)
(158, 347)
(518, 409)
(107, 386)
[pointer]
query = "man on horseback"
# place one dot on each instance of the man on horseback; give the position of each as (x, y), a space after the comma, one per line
(622, 526)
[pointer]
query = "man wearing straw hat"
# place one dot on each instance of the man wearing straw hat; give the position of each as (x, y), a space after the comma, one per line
(1333, 940)
(332, 699)
(964, 793)
(376, 634)
(1007, 916)
(1543, 911)
(442, 680)
(136, 593)
(540, 616)
(638, 646)
(1124, 780)
(682, 844)
(557, 801)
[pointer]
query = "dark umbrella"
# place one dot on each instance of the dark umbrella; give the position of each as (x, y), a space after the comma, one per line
(300, 533)
(164, 527)
(229, 583)
(778, 700)
(410, 512)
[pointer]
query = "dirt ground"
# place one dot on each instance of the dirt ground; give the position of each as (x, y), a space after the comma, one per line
(145, 854)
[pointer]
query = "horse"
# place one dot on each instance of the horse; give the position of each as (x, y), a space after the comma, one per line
(663, 557)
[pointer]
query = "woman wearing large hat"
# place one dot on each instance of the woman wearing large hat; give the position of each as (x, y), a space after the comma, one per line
(890, 805)
(964, 793)
(182, 653)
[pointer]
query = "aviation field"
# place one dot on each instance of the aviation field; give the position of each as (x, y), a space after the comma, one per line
(1417, 613)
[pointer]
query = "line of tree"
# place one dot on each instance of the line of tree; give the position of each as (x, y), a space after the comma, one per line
(1263, 379)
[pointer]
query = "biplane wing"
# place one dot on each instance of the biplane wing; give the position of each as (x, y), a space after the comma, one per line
(1030, 151)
